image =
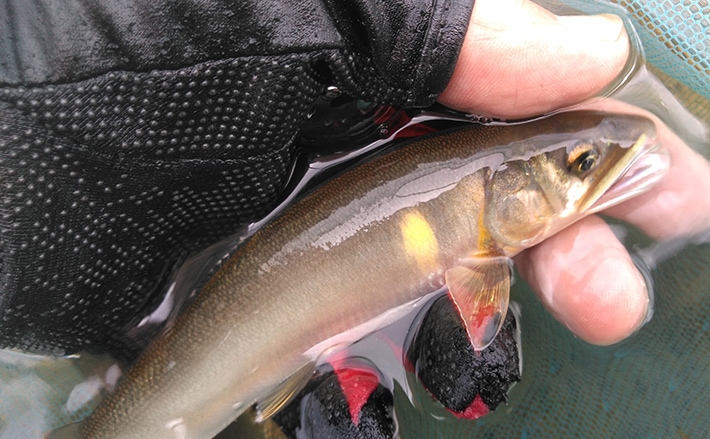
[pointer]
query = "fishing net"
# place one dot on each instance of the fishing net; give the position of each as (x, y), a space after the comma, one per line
(675, 35)
(676, 38)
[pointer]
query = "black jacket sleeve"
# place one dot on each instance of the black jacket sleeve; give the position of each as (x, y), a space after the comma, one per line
(135, 133)
(395, 52)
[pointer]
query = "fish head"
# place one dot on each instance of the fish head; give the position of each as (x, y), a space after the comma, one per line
(580, 163)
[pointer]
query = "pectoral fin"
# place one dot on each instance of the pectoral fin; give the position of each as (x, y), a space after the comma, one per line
(284, 392)
(480, 289)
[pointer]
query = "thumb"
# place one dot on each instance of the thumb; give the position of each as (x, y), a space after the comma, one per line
(518, 59)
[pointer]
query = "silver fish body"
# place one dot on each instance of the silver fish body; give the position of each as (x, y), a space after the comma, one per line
(376, 237)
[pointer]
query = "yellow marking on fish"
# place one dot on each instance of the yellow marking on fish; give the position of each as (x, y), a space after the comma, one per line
(485, 245)
(419, 241)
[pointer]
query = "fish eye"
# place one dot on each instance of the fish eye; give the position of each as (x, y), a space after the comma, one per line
(582, 158)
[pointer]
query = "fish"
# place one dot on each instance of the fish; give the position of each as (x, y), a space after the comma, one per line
(448, 209)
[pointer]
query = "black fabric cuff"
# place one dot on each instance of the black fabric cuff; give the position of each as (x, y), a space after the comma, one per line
(400, 53)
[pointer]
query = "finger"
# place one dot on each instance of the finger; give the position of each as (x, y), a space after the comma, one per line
(518, 59)
(586, 279)
(680, 203)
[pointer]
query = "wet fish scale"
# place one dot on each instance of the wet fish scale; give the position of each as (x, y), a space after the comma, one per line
(321, 268)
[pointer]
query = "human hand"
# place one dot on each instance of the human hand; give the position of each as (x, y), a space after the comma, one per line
(520, 60)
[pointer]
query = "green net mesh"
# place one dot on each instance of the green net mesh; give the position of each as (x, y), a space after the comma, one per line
(675, 36)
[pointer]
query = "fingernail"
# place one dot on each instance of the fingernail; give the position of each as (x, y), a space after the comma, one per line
(603, 27)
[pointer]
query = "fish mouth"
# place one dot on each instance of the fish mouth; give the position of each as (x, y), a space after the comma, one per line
(643, 171)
